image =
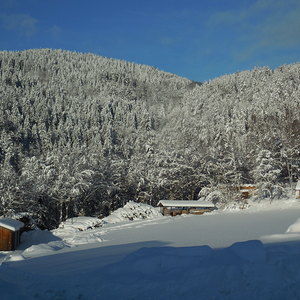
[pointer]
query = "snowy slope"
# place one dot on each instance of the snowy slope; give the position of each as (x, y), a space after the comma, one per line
(146, 267)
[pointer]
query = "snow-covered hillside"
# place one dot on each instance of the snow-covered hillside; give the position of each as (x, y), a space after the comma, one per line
(254, 253)
(83, 133)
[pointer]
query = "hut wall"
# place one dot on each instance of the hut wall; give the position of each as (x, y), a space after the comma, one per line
(6, 239)
(174, 211)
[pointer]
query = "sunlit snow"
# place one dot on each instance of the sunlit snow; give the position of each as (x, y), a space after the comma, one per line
(229, 254)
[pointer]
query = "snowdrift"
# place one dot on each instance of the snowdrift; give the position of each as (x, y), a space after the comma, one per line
(132, 211)
(247, 270)
(80, 224)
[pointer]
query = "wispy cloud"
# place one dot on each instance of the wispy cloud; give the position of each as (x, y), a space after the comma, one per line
(22, 23)
(259, 9)
(55, 31)
(283, 31)
(263, 25)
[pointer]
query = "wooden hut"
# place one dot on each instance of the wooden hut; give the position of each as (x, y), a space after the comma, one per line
(9, 234)
(178, 207)
(247, 190)
(298, 189)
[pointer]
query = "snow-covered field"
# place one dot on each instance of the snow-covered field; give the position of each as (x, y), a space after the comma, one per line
(249, 254)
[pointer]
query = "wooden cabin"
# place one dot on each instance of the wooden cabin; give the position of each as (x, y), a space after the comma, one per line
(178, 207)
(10, 231)
(298, 189)
(247, 190)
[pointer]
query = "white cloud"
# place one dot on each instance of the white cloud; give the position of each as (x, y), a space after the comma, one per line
(260, 9)
(264, 25)
(55, 31)
(22, 23)
(283, 31)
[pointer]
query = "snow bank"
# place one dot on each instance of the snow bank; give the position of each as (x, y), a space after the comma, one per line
(79, 231)
(14, 257)
(85, 230)
(294, 227)
(44, 249)
(132, 211)
(246, 270)
(291, 234)
(36, 237)
(80, 224)
(259, 206)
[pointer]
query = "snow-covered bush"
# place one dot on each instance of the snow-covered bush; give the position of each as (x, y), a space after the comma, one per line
(132, 211)
(266, 169)
(269, 191)
(266, 174)
(204, 193)
(215, 197)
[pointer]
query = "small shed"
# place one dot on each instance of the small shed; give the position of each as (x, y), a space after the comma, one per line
(298, 189)
(247, 190)
(10, 231)
(178, 207)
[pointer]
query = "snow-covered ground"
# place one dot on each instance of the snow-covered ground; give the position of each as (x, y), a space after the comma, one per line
(232, 254)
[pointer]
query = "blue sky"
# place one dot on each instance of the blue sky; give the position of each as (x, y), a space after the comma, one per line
(197, 39)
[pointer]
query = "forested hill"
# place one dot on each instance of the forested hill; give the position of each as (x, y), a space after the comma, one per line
(83, 134)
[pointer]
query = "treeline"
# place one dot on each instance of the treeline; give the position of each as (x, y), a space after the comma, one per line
(83, 134)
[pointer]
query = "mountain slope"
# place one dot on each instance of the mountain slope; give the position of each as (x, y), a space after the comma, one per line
(83, 134)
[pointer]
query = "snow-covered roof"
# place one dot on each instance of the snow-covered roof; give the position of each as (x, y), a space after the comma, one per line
(11, 224)
(248, 185)
(298, 186)
(185, 203)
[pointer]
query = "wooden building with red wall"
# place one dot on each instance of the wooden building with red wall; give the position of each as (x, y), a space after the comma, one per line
(10, 231)
(178, 207)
